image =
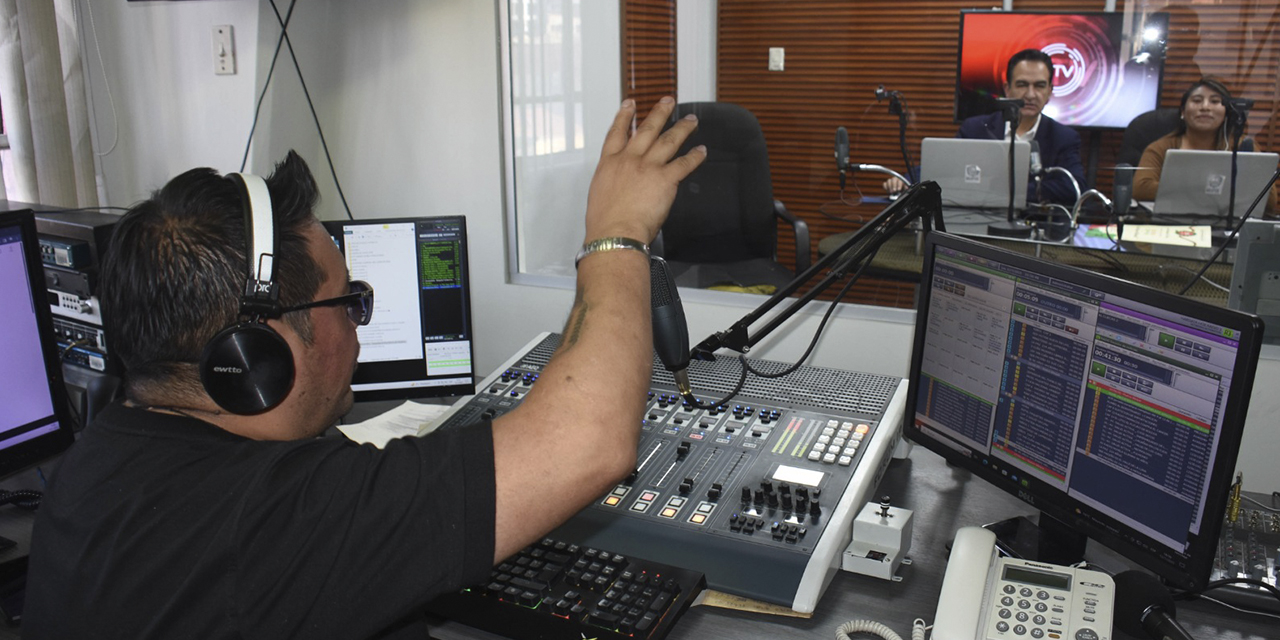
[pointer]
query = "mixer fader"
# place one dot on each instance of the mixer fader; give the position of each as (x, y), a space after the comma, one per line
(758, 494)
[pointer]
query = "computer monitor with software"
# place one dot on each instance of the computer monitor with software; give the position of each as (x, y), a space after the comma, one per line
(1114, 409)
(419, 343)
(35, 423)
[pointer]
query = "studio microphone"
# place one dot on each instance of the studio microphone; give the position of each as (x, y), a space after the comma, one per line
(1122, 189)
(1144, 606)
(1036, 167)
(670, 331)
(842, 153)
(1238, 110)
(1011, 108)
(881, 94)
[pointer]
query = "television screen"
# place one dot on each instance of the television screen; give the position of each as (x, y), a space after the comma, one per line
(1115, 409)
(419, 344)
(1103, 74)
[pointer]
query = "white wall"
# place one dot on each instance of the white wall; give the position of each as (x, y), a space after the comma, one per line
(408, 94)
(171, 113)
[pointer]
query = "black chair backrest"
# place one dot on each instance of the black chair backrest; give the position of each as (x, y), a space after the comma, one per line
(1145, 129)
(723, 211)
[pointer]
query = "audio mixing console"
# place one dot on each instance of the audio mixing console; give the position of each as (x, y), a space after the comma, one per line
(760, 495)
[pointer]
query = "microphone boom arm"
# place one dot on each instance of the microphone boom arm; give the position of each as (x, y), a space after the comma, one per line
(921, 201)
(877, 168)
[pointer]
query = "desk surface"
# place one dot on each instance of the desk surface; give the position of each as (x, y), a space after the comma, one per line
(942, 499)
(1162, 267)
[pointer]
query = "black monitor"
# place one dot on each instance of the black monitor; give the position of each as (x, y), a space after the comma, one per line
(1113, 408)
(419, 344)
(34, 419)
(1103, 76)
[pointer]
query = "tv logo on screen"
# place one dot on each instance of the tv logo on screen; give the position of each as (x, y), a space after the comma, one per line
(1068, 68)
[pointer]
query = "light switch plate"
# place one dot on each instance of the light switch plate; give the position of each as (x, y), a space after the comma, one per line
(224, 50)
(777, 58)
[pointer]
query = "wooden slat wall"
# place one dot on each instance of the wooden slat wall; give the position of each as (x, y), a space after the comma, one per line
(838, 51)
(648, 51)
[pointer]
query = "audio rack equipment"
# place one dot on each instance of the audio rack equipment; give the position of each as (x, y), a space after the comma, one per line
(759, 495)
(71, 246)
(1249, 547)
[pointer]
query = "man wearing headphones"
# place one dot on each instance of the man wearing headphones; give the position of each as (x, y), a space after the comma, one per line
(192, 511)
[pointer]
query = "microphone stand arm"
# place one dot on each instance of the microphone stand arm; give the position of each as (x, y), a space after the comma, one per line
(1075, 185)
(1236, 134)
(877, 168)
(1092, 193)
(919, 202)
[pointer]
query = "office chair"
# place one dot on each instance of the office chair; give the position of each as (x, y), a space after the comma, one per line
(1144, 129)
(722, 230)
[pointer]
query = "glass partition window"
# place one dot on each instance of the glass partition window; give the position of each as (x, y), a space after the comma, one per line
(562, 91)
(566, 63)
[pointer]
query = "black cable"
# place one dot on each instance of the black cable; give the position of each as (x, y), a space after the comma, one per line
(1234, 232)
(312, 106)
(821, 326)
(694, 402)
(1188, 595)
(257, 110)
(22, 498)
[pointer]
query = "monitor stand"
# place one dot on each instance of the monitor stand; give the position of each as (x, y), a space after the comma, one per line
(1049, 541)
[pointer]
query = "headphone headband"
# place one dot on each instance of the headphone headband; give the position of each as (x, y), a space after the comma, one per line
(247, 368)
(261, 296)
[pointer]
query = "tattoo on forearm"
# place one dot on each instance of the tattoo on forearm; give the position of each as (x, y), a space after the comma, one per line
(577, 317)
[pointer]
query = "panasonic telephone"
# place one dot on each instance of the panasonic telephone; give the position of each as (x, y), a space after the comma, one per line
(988, 597)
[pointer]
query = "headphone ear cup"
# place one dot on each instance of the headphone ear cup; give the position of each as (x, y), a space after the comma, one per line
(247, 368)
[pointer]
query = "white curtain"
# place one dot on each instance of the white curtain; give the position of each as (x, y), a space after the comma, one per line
(42, 93)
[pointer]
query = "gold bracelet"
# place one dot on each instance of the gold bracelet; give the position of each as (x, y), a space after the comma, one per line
(610, 244)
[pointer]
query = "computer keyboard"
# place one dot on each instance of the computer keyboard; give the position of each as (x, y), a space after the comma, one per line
(556, 589)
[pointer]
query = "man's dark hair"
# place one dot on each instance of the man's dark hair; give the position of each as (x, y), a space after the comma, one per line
(1215, 86)
(174, 270)
(1033, 55)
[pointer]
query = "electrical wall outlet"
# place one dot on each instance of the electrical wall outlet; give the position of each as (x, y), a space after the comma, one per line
(777, 58)
(224, 50)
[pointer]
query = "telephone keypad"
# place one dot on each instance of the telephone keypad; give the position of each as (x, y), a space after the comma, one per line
(1078, 599)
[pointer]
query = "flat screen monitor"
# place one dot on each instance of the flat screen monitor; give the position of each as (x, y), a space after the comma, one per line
(34, 419)
(1255, 275)
(419, 343)
(1113, 408)
(1103, 74)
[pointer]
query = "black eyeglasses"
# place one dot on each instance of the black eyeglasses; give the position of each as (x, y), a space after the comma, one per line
(359, 303)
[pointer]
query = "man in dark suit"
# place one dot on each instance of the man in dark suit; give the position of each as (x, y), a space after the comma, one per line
(1029, 77)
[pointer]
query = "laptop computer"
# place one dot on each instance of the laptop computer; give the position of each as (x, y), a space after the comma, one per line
(1199, 182)
(975, 173)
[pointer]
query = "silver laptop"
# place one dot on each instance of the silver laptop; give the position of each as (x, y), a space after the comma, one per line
(975, 173)
(1199, 182)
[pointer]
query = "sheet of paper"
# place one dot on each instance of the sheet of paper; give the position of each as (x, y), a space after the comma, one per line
(1177, 235)
(408, 419)
(1184, 235)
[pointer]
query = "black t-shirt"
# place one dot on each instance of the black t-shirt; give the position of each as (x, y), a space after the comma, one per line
(160, 526)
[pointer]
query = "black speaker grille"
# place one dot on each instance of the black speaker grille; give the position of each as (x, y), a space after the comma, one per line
(816, 387)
